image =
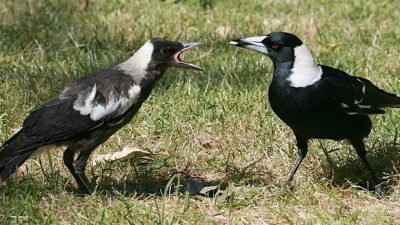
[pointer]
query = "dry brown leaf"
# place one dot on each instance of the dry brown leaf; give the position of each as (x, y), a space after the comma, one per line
(124, 154)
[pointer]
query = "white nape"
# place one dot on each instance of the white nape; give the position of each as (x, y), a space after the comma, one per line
(305, 71)
(137, 64)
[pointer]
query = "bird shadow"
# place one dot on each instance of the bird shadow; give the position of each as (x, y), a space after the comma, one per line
(155, 180)
(384, 159)
(147, 180)
(177, 184)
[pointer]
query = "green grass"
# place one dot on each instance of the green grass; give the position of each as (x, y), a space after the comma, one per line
(214, 127)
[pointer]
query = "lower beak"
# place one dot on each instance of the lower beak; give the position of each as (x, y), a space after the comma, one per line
(180, 63)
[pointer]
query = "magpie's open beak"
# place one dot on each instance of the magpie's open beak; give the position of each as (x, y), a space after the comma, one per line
(178, 60)
(253, 43)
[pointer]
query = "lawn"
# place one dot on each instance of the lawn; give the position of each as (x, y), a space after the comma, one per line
(205, 129)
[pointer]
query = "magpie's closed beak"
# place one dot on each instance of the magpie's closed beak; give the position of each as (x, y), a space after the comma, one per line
(254, 43)
(178, 60)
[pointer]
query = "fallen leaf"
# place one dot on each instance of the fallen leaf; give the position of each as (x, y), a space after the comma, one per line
(226, 193)
(206, 143)
(206, 190)
(333, 47)
(124, 154)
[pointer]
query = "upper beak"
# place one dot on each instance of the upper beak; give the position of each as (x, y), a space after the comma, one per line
(254, 43)
(180, 63)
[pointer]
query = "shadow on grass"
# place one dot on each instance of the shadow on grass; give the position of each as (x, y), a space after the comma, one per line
(156, 180)
(384, 159)
(148, 178)
(175, 184)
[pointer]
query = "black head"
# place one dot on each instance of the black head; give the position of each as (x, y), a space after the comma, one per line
(279, 46)
(168, 53)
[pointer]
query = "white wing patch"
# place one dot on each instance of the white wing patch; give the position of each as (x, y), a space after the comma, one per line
(99, 111)
(86, 107)
(363, 92)
(305, 71)
(344, 105)
(356, 102)
(116, 103)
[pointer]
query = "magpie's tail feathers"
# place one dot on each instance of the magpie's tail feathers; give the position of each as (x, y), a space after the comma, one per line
(13, 153)
(388, 99)
(13, 163)
(395, 102)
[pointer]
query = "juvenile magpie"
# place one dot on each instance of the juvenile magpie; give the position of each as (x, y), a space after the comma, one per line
(90, 110)
(318, 101)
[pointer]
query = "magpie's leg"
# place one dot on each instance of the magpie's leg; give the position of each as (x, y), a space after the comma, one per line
(85, 147)
(69, 162)
(80, 165)
(302, 148)
(358, 144)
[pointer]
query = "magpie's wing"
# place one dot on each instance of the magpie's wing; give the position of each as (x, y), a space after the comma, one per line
(357, 95)
(56, 120)
(83, 106)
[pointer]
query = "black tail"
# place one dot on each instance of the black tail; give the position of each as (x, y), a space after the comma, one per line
(391, 100)
(14, 153)
(376, 97)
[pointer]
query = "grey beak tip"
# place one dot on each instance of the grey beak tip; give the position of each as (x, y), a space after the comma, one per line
(191, 44)
(234, 42)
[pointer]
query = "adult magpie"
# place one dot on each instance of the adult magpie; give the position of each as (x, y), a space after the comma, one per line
(318, 101)
(90, 110)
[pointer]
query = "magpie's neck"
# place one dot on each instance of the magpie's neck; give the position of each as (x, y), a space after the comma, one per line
(301, 71)
(142, 67)
(153, 74)
(282, 72)
(305, 71)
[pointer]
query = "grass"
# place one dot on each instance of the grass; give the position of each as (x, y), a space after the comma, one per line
(210, 128)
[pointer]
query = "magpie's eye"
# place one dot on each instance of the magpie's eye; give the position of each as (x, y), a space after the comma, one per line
(275, 46)
(169, 51)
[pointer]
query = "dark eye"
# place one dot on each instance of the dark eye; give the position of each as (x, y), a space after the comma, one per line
(169, 51)
(275, 46)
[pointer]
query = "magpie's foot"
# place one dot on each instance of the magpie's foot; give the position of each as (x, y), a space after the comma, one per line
(288, 186)
(379, 191)
(85, 187)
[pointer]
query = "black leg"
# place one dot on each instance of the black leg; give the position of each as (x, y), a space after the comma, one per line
(358, 144)
(69, 162)
(84, 147)
(80, 166)
(302, 149)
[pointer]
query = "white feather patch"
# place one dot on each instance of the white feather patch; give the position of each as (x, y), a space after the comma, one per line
(364, 106)
(99, 111)
(86, 107)
(344, 105)
(305, 71)
(115, 104)
(137, 64)
(363, 91)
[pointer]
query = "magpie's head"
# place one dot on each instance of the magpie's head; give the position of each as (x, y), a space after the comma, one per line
(169, 53)
(279, 46)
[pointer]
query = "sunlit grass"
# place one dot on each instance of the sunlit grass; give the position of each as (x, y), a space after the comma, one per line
(215, 126)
